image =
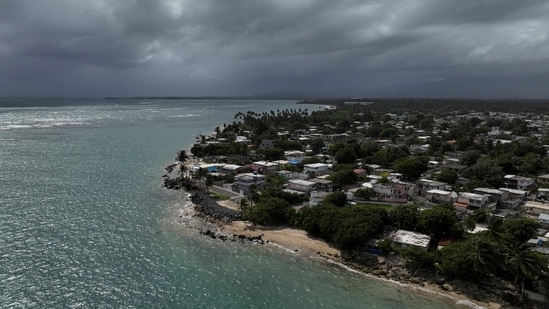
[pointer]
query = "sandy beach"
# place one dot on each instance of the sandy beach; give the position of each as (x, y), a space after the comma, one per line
(299, 242)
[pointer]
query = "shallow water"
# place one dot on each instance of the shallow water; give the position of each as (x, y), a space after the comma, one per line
(84, 222)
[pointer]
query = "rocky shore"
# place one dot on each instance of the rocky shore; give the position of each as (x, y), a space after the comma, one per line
(494, 294)
(230, 227)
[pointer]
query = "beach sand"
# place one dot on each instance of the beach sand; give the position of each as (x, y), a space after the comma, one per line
(301, 243)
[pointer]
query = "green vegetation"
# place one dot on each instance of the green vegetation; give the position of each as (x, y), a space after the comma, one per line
(491, 138)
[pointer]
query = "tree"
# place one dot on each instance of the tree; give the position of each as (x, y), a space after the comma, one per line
(447, 176)
(437, 221)
(411, 167)
(201, 174)
(317, 145)
(346, 155)
(483, 256)
(486, 170)
(182, 156)
(338, 198)
(342, 178)
(365, 193)
(470, 157)
(454, 259)
(268, 211)
(524, 263)
(521, 229)
(405, 217)
(209, 182)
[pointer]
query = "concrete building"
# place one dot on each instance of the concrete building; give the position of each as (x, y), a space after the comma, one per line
(318, 169)
(472, 200)
(264, 167)
(403, 238)
(439, 196)
(518, 182)
(424, 185)
(536, 208)
(301, 185)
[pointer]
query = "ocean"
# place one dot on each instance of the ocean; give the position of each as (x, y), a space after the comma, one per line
(85, 223)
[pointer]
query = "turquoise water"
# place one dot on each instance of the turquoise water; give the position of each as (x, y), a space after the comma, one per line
(84, 222)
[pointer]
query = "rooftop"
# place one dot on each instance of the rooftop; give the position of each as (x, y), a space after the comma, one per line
(411, 238)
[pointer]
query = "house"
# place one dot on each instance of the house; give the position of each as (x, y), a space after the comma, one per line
(453, 166)
(266, 143)
(543, 179)
(536, 208)
(439, 196)
(287, 174)
(403, 238)
(473, 200)
(324, 185)
(424, 185)
(496, 196)
(514, 198)
(393, 191)
(244, 181)
(543, 219)
(518, 182)
(301, 185)
(317, 169)
(211, 167)
(230, 168)
(317, 197)
(294, 156)
(264, 167)
(243, 140)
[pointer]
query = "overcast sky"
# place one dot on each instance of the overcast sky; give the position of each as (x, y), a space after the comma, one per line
(244, 47)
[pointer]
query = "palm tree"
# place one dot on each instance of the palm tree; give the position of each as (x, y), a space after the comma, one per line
(209, 182)
(484, 257)
(182, 156)
(524, 263)
(200, 175)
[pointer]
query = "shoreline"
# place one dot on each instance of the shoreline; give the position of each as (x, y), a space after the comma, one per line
(298, 242)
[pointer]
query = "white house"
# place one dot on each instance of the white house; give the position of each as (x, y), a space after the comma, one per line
(316, 168)
(301, 185)
(439, 196)
(294, 156)
(473, 200)
(403, 238)
(317, 197)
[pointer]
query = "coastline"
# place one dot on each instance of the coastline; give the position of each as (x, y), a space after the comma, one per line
(299, 242)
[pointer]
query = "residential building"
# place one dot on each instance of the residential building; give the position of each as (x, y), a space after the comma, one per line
(264, 167)
(472, 200)
(518, 182)
(424, 185)
(266, 143)
(301, 185)
(317, 169)
(536, 208)
(439, 196)
(287, 174)
(244, 181)
(496, 196)
(230, 168)
(324, 185)
(403, 238)
(317, 197)
(543, 179)
(294, 156)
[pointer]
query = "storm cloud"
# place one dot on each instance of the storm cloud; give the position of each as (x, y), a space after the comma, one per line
(246, 47)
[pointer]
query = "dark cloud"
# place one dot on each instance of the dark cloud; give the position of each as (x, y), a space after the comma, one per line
(178, 47)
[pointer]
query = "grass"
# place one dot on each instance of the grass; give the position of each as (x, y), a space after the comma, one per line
(219, 196)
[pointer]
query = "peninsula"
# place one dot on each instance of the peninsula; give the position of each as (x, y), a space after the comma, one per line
(448, 195)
